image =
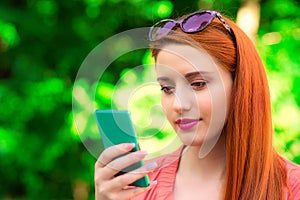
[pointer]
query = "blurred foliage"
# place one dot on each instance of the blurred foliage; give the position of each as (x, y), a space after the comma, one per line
(43, 43)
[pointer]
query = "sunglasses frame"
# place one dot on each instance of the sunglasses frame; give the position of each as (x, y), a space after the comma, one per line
(213, 14)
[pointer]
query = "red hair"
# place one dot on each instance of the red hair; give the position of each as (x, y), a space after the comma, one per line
(254, 169)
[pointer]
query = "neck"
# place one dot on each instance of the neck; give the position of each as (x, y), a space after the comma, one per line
(212, 166)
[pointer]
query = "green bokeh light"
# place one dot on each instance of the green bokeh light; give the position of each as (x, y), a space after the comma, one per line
(92, 11)
(46, 7)
(9, 34)
(163, 8)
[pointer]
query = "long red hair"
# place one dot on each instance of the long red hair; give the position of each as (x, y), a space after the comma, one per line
(254, 169)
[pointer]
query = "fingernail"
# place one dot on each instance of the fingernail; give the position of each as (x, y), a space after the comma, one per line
(152, 184)
(151, 166)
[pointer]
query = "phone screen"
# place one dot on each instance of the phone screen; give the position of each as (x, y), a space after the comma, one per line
(115, 127)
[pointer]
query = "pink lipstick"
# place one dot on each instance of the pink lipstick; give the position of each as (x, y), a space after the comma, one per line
(186, 123)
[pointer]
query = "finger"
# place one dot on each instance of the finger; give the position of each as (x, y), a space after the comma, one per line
(120, 163)
(106, 193)
(145, 169)
(132, 192)
(124, 180)
(111, 152)
(119, 186)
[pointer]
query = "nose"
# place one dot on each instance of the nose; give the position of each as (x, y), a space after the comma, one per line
(182, 101)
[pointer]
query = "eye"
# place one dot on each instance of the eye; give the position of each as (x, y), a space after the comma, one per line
(199, 85)
(167, 89)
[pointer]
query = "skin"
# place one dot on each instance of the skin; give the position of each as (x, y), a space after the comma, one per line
(108, 187)
(194, 87)
(201, 99)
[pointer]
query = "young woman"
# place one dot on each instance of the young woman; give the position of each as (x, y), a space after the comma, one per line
(215, 95)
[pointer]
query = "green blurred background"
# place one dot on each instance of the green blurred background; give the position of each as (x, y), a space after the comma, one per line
(42, 45)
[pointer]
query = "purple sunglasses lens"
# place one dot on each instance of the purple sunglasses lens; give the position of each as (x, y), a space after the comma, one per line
(168, 25)
(162, 29)
(196, 22)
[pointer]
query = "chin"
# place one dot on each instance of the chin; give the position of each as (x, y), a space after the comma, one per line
(190, 140)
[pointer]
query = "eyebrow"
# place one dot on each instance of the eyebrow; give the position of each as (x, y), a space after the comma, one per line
(163, 78)
(187, 76)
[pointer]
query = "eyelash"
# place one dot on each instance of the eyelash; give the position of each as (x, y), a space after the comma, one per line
(167, 89)
(199, 85)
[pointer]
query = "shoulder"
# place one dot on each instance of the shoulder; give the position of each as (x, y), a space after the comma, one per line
(293, 174)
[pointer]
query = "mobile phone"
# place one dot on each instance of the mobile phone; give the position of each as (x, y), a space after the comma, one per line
(115, 127)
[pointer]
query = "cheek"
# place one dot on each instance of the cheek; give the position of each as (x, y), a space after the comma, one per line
(220, 102)
(166, 104)
(204, 103)
(228, 97)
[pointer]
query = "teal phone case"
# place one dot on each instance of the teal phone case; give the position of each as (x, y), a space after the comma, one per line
(116, 127)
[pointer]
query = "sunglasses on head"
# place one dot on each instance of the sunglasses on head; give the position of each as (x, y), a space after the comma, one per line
(193, 23)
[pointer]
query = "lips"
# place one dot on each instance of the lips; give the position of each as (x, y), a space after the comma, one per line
(186, 124)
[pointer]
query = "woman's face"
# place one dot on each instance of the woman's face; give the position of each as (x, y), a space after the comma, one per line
(195, 94)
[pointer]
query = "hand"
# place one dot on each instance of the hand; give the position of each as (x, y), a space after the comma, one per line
(109, 187)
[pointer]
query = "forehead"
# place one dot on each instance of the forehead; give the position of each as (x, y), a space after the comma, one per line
(184, 59)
